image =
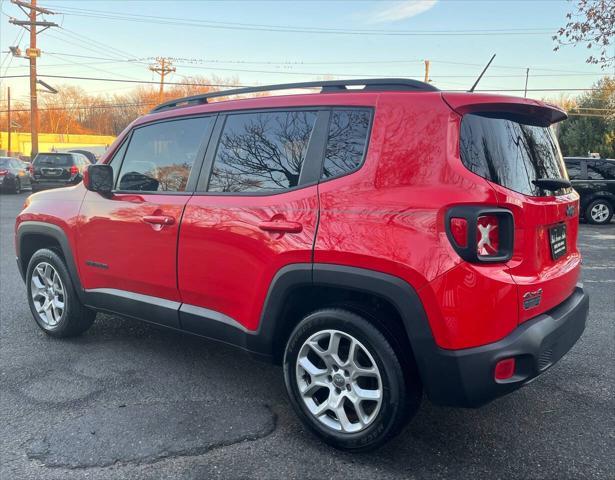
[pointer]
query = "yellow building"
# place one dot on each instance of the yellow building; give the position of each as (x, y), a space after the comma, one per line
(47, 142)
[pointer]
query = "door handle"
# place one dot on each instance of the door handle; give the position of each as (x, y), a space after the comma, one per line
(159, 220)
(280, 226)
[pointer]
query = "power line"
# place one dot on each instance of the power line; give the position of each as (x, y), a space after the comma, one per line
(190, 61)
(198, 84)
(140, 18)
(69, 77)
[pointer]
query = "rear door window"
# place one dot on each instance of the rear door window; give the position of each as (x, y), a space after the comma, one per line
(510, 153)
(160, 156)
(261, 152)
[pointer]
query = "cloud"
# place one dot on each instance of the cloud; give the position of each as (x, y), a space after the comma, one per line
(402, 10)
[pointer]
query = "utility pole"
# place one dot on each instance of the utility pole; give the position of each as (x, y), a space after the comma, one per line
(527, 76)
(426, 71)
(162, 67)
(32, 53)
(8, 101)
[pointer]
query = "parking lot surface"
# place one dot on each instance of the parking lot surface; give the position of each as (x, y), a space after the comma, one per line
(127, 400)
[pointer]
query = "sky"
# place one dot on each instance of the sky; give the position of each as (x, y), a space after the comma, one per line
(277, 41)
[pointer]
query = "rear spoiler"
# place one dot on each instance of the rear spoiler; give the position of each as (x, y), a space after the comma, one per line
(524, 110)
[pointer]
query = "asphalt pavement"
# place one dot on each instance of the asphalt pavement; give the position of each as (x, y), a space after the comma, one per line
(127, 400)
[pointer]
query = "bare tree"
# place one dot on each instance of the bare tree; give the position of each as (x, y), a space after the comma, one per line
(593, 23)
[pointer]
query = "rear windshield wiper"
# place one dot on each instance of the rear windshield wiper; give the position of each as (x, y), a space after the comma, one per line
(552, 184)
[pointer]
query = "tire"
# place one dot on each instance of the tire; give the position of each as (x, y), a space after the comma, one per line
(331, 383)
(599, 212)
(73, 318)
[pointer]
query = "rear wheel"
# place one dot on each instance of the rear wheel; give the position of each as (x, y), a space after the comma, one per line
(346, 382)
(599, 212)
(52, 297)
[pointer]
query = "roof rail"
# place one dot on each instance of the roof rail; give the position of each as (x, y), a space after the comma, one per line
(326, 86)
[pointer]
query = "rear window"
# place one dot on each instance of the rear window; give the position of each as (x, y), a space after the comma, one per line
(509, 153)
(55, 159)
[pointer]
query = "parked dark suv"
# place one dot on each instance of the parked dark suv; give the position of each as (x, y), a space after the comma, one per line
(57, 170)
(594, 180)
(377, 242)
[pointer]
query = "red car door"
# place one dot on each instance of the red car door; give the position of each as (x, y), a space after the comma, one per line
(252, 216)
(127, 242)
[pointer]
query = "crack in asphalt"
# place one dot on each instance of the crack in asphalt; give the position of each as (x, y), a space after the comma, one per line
(70, 439)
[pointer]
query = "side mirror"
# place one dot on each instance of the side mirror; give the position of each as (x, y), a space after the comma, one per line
(98, 178)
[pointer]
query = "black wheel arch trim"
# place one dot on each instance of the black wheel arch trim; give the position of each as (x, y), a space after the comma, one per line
(31, 227)
(395, 290)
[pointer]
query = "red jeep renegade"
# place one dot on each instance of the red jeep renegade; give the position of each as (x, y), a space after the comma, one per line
(376, 241)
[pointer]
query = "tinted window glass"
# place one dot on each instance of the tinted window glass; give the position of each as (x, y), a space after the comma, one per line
(574, 169)
(599, 171)
(609, 170)
(116, 161)
(5, 162)
(509, 153)
(261, 151)
(160, 156)
(53, 159)
(346, 143)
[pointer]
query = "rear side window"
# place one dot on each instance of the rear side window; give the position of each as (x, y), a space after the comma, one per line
(159, 157)
(261, 152)
(509, 153)
(348, 130)
(56, 160)
(574, 169)
(600, 170)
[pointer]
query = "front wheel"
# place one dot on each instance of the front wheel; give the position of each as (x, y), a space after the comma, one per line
(52, 297)
(599, 212)
(346, 382)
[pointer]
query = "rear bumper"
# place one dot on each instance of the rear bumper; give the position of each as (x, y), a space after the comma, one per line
(465, 377)
(40, 184)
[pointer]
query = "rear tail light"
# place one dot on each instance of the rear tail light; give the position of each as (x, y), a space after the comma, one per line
(487, 235)
(459, 231)
(3, 172)
(481, 234)
(74, 170)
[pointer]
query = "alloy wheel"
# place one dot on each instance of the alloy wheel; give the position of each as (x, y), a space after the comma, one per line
(599, 212)
(48, 294)
(339, 381)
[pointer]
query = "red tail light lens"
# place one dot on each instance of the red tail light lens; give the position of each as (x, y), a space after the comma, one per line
(487, 236)
(3, 172)
(74, 170)
(459, 231)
